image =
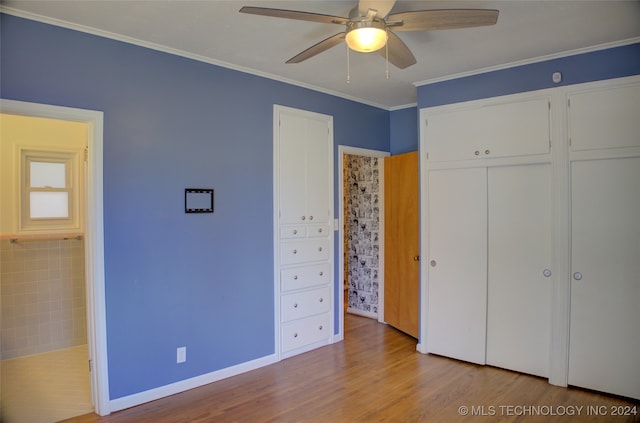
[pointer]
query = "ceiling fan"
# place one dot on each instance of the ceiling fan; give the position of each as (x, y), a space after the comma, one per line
(370, 27)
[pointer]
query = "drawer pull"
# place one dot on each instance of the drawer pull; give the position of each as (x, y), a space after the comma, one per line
(320, 230)
(303, 217)
(321, 273)
(295, 305)
(295, 335)
(295, 251)
(310, 217)
(319, 248)
(487, 152)
(320, 327)
(477, 153)
(295, 231)
(321, 300)
(295, 278)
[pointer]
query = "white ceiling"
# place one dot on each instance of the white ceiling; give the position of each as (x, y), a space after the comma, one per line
(214, 31)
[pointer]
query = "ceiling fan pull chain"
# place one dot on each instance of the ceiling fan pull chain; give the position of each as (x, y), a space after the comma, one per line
(348, 67)
(386, 47)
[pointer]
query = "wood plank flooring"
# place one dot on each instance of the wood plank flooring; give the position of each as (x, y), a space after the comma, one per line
(376, 375)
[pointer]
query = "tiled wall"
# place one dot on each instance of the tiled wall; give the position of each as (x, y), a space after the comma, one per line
(42, 290)
(364, 233)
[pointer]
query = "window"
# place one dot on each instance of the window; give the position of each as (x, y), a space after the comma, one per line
(50, 191)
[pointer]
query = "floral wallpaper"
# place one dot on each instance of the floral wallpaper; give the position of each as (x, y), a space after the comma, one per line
(363, 234)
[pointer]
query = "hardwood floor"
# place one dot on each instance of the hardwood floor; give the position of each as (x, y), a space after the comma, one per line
(376, 375)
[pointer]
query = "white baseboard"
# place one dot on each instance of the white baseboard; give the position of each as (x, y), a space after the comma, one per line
(194, 382)
(362, 313)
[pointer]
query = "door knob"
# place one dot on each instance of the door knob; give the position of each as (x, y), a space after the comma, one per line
(416, 258)
(433, 263)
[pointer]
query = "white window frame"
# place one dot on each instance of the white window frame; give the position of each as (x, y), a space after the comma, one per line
(71, 158)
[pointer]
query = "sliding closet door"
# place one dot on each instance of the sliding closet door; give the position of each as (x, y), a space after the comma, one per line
(457, 263)
(605, 286)
(520, 257)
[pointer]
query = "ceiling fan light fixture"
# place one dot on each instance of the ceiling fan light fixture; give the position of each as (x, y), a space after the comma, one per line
(366, 36)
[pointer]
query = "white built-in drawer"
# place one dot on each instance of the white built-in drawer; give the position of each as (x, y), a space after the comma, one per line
(299, 333)
(292, 232)
(318, 230)
(292, 252)
(304, 277)
(304, 304)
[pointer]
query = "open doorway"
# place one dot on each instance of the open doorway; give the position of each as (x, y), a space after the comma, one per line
(75, 263)
(361, 240)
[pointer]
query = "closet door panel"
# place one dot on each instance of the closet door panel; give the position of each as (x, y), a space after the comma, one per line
(318, 180)
(605, 287)
(520, 250)
(489, 131)
(605, 118)
(292, 181)
(457, 263)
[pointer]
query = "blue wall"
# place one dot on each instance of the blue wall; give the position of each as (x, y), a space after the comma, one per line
(403, 130)
(175, 279)
(594, 66)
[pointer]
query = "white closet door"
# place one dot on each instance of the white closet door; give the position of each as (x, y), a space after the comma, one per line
(292, 165)
(457, 263)
(318, 180)
(605, 287)
(520, 257)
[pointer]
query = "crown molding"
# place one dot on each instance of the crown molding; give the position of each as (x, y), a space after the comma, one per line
(530, 61)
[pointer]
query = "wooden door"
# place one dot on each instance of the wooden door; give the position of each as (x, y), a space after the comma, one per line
(605, 268)
(457, 255)
(402, 243)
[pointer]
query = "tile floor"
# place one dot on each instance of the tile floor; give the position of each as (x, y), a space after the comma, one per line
(46, 388)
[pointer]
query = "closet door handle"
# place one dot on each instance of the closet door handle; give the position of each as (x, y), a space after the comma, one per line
(546, 273)
(577, 276)
(433, 263)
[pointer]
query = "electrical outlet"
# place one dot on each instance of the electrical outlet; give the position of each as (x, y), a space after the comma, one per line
(181, 355)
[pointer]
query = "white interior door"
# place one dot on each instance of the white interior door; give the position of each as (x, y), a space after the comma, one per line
(457, 263)
(520, 257)
(605, 288)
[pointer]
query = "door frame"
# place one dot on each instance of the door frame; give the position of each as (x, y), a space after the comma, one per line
(364, 152)
(94, 237)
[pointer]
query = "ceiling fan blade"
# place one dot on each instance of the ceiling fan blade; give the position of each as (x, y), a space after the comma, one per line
(293, 14)
(382, 7)
(428, 20)
(399, 54)
(318, 48)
